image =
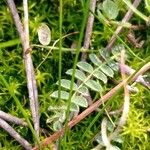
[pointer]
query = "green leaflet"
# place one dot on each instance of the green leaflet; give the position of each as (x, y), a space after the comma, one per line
(85, 66)
(83, 90)
(66, 84)
(101, 76)
(94, 85)
(78, 100)
(64, 95)
(107, 70)
(114, 65)
(110, 9)
(57, 125)
(73, 107)
(79, 74)
(95, 60)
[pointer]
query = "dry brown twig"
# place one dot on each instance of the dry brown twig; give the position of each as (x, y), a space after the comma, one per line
(87, 38)
(13, 119)
(31, 82)
(89, 28)
(14, 134)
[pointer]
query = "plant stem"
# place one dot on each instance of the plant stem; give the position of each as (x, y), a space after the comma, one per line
(89, 28)
(13, 119)
(19, 106)
(32, 89)
(145, 18)
(9, 43)
(64, 49)
(60, 53)
(74, 65)
(14, 134)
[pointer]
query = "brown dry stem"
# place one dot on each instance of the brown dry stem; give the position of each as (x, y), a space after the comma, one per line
(89, 28)
(13, 119)
(14, 134)
(31, 82)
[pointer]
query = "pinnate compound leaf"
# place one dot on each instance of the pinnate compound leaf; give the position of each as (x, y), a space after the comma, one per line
(99, 75)
(94, 85)
(110, 9)
(66, 84)
(63, 95)
(107, 70)
(80, 101)
(78, 74)
(85, 66)
(95, 60)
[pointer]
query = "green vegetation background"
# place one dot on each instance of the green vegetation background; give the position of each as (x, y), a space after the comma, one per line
(135, 135)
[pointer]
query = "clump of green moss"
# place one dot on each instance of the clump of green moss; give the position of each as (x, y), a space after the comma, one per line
(135, 133)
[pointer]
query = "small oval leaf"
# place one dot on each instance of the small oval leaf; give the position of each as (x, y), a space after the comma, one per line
(85, 66)
(114, 65)
(110, 8)
(66, 84)
(57, 125)
(104, 53)
(64, 95)
(98, 74)
(94, 85)
(83, 90)
(78, 74)
(44, 34)
(95, 60)
(107, 70)
(80, 101)
(74, 107)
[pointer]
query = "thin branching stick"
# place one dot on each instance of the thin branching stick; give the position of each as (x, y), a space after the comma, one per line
(13, 119)
(126, 18)
(89, 28)
(94, 106)
(14, 134)
(31, 82)
(32, 88)
(87, 39)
